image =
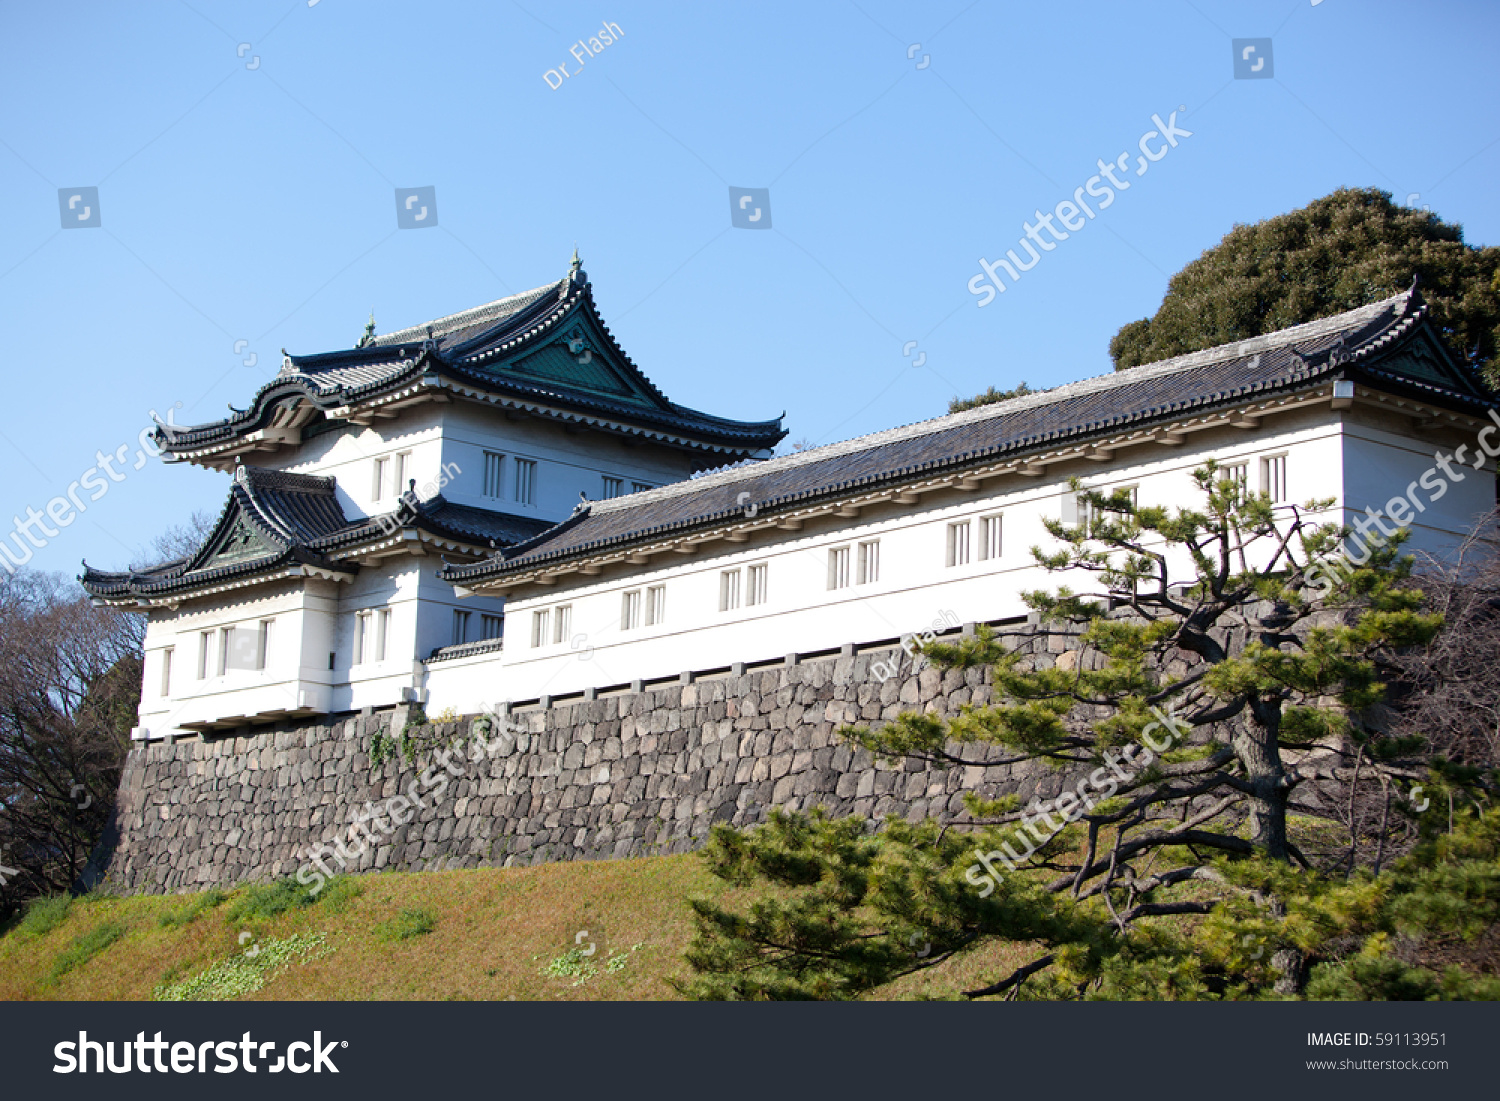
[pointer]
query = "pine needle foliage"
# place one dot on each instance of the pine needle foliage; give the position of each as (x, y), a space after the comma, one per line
(1260, 664)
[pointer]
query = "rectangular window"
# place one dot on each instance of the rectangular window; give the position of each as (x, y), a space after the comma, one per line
(640, 487)
(494, 468)
(263, 643)
(613, 487)
(205, 652)
(491, 626)
(403, 471)
(630, 610)
(538, 629)
(526, 481)
(361, 637)
(562, 623)
(1077, 512)
(838, 568)
(989, 538)
(166, 671)
(377, 491)
(656, 605)
(755, 590)
(729, 590)
(958, 544)
(867, 567)
(226, 640)
(382, 632)
(1273, 478)
(460, 627)
(1237, 473)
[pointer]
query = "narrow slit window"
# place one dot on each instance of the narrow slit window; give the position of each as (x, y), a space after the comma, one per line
(166, 671)
(656, 605)
(494, 470)
(838, 568)
(958, 544)
(755, 590)
(205, 653)
(867, 570)
(1238, 475)
(263, 644)
(382, 632)
(989, 538)
(1273, 478)
(630, 610)
(526, 481)
(729, 590)
(538, 628)
(377, 490)
(562, 624)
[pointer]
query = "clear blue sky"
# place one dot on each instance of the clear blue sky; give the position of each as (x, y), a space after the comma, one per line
(258, 204)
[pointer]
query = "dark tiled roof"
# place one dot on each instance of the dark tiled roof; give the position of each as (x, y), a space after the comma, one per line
(441, 517)
(276, 515)
(467, 649)
(297, 520)
(547, 346)
(1356, 345)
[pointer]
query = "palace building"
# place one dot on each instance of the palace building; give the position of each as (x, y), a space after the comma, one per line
(325, 589)
(356, 475)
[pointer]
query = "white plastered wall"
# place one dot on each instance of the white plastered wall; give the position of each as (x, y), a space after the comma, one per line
(1351, 458)
(302, 614)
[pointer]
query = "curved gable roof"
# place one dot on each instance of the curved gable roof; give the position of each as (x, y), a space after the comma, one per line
(547, 349)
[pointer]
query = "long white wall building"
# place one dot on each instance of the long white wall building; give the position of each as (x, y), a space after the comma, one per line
(627, 568)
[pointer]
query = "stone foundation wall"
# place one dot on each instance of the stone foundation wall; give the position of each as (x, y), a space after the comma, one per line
(632, 774)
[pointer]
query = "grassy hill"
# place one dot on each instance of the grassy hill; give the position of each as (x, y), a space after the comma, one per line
(492, 934)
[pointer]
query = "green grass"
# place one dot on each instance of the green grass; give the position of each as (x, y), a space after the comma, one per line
(263, 902)
(83, 949)
(339, 893)
(194, 909)
(409, 923)
(44, 915)
(486, 934)
(481, 934)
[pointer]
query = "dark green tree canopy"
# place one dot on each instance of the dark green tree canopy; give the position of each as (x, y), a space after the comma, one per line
(989, 397)
(1339, 252)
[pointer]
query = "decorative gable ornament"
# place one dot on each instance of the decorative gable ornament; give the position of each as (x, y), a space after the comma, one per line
(1338, 355)
(242, 544)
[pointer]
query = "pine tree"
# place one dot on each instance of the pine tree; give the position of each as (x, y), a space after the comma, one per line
(1195, 714)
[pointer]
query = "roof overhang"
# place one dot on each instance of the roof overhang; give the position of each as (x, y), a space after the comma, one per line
(964, 476)
(173, 600)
